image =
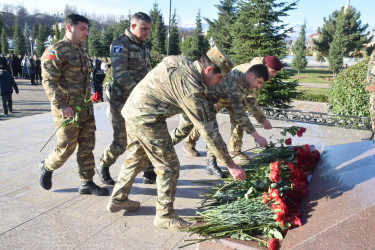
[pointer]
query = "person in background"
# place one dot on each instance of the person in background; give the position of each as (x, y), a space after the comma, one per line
(7, 84)
(25, 71)
(32, 69)
(38, 70)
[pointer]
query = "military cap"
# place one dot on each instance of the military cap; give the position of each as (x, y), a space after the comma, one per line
(221, 60)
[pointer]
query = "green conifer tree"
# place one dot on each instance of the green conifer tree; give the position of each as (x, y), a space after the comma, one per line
(4, 43)
(57, 33)
(174, 39)
(157, 35)
(299, 49)
(19, 40)
(259, 31)
(106, 40)
(220, 29)
(337, 47)
(40, 39)
(353, 30)
(93, 41)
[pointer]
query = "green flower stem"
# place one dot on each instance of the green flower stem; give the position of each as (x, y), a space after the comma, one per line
(45, 144)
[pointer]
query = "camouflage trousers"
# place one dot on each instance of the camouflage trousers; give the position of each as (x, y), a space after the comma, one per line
(235, 143)
(372, 109)
(68, 139)
(119, 142)
(150, 143)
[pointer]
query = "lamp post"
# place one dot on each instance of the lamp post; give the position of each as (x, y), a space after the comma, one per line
(31, 46)
(211, 42)
(169, 26)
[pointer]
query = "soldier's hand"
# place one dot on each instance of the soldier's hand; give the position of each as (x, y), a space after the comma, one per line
(267, 124)
(260, 140)
(236, 171)
(67, 112)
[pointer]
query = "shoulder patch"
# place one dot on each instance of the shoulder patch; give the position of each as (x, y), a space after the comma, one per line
(50, 54)
(117, 48)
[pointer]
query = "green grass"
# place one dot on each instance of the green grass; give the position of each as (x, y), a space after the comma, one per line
(312, 75)
(313, 91)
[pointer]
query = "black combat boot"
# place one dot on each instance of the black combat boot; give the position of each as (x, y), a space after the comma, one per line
(89, 187)
(213, 169)
(149, 177)
(104, 174)
(45, 176)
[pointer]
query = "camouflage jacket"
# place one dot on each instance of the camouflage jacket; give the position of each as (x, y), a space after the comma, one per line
(130, 64)
(251, 101)
(233, 89)
(175, 86)
(65, 70)
(371, 73)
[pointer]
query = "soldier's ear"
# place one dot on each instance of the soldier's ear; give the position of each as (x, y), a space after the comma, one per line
(69, 27)
(208, 69)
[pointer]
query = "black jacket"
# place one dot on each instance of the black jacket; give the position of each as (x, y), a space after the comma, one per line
(6, 83)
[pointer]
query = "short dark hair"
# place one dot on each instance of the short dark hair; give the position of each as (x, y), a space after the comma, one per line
(74, 19)
(141, 17)
(259, 70)
(205, 62)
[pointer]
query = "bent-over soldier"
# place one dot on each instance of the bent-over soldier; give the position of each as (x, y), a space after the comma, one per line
(176, 85)
(65, 68)
(230, 92)
(274, 65)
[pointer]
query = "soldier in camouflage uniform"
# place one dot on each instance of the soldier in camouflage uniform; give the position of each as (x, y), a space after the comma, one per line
(371, 87)
(130, 59)
(274, 65)
(230, 92)
(176, 85)
(65, 68)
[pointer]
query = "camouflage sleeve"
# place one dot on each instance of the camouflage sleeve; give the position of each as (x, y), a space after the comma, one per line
(123, 82)
(51, 72)
(239, 111)
(252, 105)
(371, 74)
(203, 117)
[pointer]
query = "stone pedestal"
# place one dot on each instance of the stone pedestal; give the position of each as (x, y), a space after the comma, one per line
(339, 212)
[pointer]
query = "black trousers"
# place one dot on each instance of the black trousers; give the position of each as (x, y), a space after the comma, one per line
(7, 103)
(32, 78)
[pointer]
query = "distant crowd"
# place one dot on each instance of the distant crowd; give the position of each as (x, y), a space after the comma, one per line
(28, 67)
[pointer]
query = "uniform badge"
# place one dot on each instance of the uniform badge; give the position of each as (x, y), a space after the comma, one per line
(50, 55)
(117, 48)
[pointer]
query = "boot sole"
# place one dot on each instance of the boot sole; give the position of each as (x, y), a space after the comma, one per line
(87, 191)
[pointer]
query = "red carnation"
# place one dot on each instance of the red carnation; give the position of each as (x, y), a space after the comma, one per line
(275, 176)
(95, 97)
(275, 166)
(273, 244)
(299, 133)
(288, 141)
(303, 130)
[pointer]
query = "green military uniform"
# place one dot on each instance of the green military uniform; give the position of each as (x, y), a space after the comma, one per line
(249, 97)
(371, 87)
(229, 92)
(174, 86)
(65, 69)
(130, 63)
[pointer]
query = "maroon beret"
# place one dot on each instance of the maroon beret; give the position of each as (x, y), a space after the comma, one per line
(273, 62)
